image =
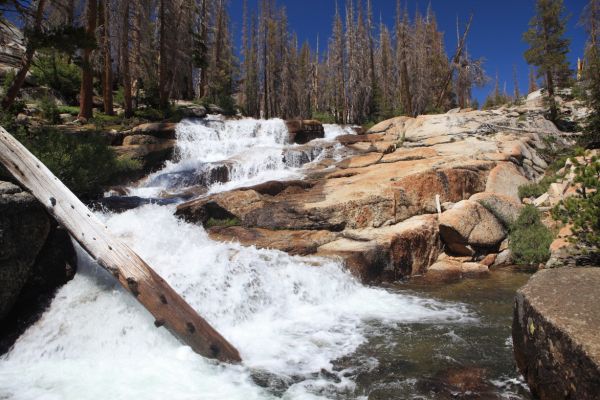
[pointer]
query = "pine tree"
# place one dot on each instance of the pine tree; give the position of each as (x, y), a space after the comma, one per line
(86, 103)
(591, 20)
(548, 48)
(126, 59)
(107, 75)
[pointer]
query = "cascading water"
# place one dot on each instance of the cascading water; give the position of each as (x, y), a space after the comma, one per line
(290, 317)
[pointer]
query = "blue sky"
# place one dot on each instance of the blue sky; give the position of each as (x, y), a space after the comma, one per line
(495, 35)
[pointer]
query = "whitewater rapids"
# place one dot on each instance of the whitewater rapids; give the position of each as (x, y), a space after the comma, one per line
(289, 316)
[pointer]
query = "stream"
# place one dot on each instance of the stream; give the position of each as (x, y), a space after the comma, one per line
(305, 328)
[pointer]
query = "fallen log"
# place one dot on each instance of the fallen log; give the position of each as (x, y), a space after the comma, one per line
(152, 291)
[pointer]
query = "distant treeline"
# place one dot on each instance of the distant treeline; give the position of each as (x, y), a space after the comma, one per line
(149, 52)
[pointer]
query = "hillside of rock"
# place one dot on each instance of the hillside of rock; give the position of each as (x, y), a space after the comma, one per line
(437, 183)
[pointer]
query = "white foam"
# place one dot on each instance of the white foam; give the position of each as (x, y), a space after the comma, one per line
(288, 315)
(332, 131)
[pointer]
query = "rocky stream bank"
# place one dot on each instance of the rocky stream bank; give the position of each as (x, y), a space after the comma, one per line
(428, 199)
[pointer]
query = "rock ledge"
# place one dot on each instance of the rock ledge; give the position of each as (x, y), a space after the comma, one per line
(555, 333)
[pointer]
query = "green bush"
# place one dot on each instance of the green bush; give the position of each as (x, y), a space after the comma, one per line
(55, 71)
(537, 189)
(151, 114)
(72, 110)
(9, 78)
(529, 239)
(49, 110)
(541, 187)
(583, 211)
(84, 163)
(324, 117)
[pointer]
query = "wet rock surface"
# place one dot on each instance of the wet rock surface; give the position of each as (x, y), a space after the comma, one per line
(555, 333)
(303, 131)
(471, 162)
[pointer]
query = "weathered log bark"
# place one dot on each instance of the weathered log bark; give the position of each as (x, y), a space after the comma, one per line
(153, 292)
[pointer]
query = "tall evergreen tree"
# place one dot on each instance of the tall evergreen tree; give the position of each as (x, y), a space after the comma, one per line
(548, 48)
(591, 21)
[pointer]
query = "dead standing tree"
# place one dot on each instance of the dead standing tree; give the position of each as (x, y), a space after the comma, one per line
(455, 60)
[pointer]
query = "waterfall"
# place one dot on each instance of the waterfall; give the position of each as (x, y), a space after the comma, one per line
(290, 316)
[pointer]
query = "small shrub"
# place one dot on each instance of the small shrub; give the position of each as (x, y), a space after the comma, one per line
(119, 97)
(151, 114)
(55, 71)
(84, 163)
(72, 110)
(9, 78)
(583, 211)
(49, 110)
(541, 187)
(101, 120)
(324, 117)
(536, 189)
(529, 239)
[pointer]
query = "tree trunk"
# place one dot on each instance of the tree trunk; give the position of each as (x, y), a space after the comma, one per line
(551, 100)
(107, 84)
(163, 69)
(13, 91)
(153, 292)
(86, 94)
(203, 38)
(125, 62)
(455, 60)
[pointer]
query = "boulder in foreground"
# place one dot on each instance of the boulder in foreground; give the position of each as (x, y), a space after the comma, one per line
(555, 333)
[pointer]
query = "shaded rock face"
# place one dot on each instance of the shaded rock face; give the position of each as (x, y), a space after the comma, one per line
(389, 253)
(555, 333)
(12, 47)
(24, 226)
(151, 155)
(303, 131)
(36, 257)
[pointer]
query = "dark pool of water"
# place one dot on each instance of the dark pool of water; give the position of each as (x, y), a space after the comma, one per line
(453, 361)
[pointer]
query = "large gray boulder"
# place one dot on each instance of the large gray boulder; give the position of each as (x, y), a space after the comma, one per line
(555, 333)
(505, 208)
(468, 227)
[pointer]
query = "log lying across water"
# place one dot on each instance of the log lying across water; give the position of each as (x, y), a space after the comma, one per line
(153, 292)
